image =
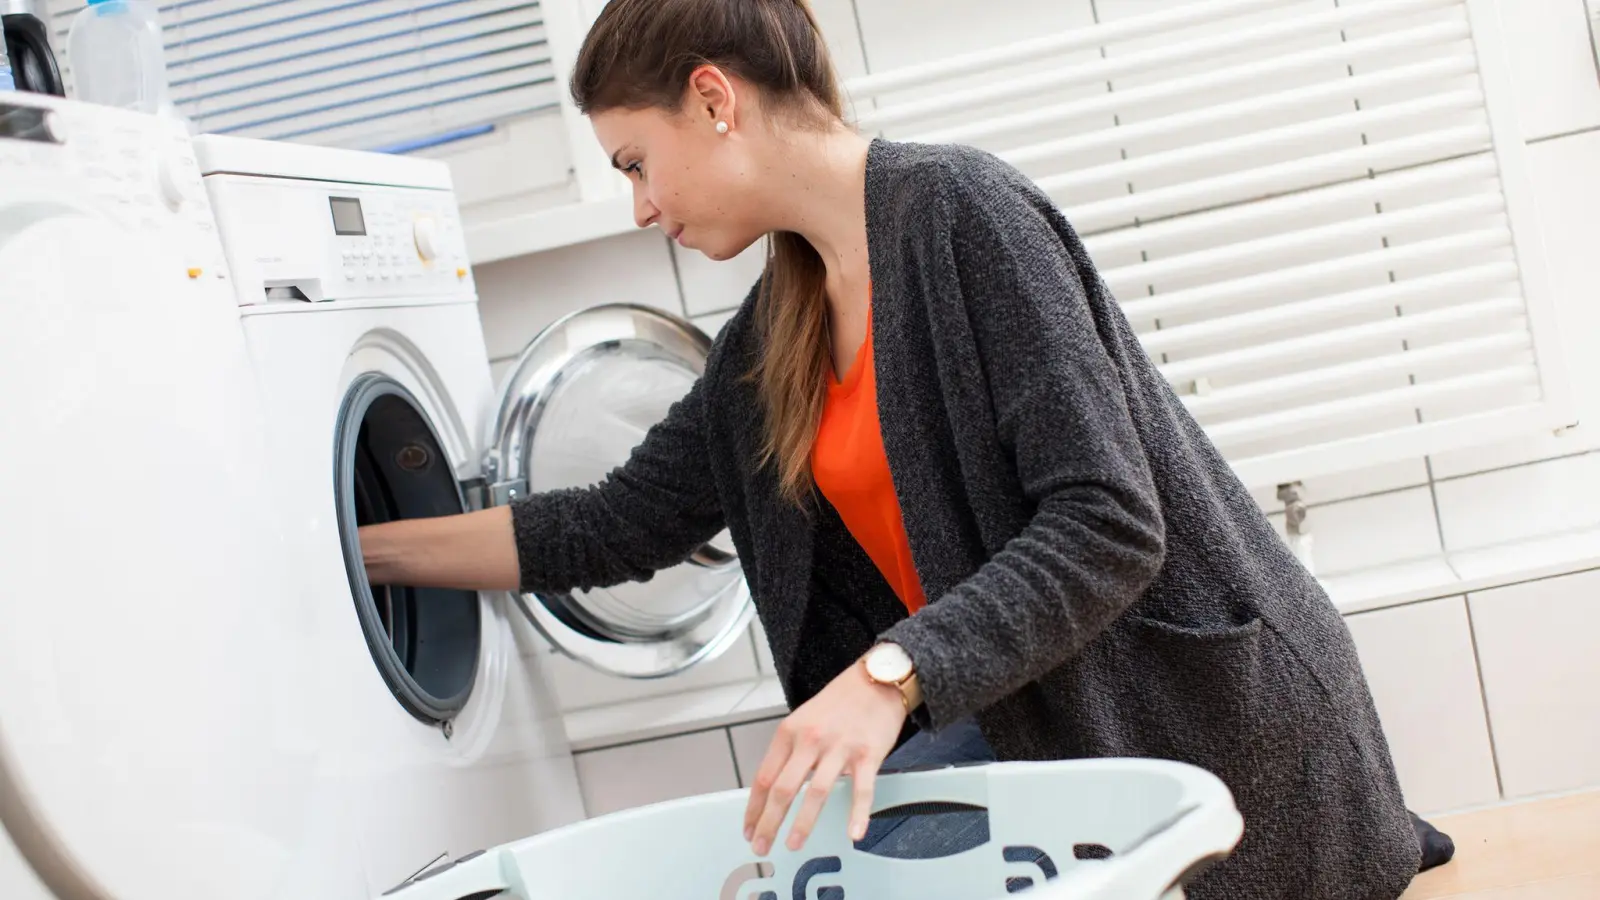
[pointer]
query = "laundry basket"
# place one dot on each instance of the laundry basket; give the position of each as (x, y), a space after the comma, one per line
(1050, 827)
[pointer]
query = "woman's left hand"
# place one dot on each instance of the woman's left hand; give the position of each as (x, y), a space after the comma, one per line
(849, 727)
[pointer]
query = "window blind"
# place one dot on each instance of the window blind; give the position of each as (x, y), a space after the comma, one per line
(365, 74)
(1315, 213)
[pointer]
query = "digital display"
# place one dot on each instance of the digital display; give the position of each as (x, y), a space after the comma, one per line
(347, 217)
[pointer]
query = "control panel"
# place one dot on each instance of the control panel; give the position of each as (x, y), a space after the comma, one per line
(293, 240)
(136, 170)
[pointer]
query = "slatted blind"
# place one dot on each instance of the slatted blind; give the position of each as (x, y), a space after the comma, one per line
(1314, 212)
(366, 74)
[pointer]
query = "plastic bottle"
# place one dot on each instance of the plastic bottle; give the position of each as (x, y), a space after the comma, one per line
(115, 50)
(7, 83)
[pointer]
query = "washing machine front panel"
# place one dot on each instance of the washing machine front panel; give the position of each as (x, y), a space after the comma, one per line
(580, 397)
(154, 705)
(501, 769)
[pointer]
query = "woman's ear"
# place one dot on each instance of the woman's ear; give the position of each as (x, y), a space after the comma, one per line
(711, 98)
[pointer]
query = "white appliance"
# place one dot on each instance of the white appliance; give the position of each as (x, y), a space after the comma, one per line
(360, 314)
(163, 733)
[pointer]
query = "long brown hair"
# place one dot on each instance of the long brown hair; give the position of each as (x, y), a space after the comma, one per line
(639, 54)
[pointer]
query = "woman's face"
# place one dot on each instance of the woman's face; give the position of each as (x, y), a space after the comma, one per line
(693, 182)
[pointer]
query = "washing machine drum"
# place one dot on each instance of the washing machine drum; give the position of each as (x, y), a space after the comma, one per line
(579, 399)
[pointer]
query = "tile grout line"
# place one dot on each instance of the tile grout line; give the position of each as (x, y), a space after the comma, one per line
(1483, 694)
(733, 754)
(1444, 479)
(1438, 517)
(861, 39)
(1588, 129)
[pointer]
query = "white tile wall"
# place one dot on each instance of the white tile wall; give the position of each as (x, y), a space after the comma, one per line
(1406, 473)
(1539, 647)
(763, 650)
(1506, 504)
(837, 19)
(712, 324)
(518, 297)
(1420, 665)
(1548, 42)
(619, 778)
(710, 286)
(1371, 531)
(750, 743)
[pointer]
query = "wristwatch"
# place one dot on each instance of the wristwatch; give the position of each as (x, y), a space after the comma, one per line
(891, 665)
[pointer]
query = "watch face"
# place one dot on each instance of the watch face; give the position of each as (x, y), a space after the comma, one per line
(889, 662)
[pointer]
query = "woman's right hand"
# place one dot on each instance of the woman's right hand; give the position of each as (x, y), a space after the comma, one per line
(472, 551)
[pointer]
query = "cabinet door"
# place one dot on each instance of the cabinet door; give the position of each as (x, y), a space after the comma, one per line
(1539, 646)
(1420, 664)
(632, 775)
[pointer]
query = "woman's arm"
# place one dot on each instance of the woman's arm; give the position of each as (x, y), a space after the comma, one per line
(1096, 540)
(649, 513)
(646, 515)
(473, 551)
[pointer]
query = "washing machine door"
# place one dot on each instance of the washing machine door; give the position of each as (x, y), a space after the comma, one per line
(578, 401)
(154, 742)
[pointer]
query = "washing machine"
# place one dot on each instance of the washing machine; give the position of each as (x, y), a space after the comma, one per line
(162, 730)
(357, 304)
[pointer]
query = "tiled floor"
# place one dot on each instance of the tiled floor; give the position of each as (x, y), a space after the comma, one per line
(1544, 850)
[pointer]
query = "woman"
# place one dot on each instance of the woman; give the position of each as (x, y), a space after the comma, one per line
(958, 487)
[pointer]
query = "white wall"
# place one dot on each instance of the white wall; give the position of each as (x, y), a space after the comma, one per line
(1430, 663)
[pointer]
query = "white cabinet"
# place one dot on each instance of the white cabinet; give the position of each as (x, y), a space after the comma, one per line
(1419, 663)
(1539, 648)
(625, 777)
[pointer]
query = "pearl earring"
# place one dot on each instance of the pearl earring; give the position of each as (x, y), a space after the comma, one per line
(722, 128)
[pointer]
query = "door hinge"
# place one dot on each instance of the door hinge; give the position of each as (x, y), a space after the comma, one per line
(481, 495)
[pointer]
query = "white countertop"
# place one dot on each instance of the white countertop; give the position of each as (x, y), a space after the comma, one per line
(1429, 578)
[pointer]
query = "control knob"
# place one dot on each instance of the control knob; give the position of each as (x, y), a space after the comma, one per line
(426, 232)
(172, 173)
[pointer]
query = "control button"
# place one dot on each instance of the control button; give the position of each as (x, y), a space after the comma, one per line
(349, 274)
(194, 271)
(461, 272)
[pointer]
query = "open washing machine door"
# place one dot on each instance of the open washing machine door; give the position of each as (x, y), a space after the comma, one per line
(153, 736)
(578, 400)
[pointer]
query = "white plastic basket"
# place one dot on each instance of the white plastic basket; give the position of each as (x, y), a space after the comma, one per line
(1161, 821)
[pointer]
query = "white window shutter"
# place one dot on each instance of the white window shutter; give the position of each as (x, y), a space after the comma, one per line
(1315, 213)
(367, 74)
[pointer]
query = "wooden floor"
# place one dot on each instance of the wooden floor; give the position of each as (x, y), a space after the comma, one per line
(1544, 850)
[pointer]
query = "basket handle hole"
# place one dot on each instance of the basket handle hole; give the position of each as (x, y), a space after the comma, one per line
(929, 830)
(1031, 856)
(1091, 851)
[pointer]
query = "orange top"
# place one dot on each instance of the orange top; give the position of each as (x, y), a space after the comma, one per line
(852, 471)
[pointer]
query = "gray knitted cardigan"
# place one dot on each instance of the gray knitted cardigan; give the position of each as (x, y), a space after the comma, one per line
(1100, 583)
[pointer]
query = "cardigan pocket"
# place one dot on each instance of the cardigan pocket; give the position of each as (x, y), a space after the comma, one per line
(1201, 690)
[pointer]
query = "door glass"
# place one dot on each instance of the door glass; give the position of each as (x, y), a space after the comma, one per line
(611, 397)
(583, 395)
